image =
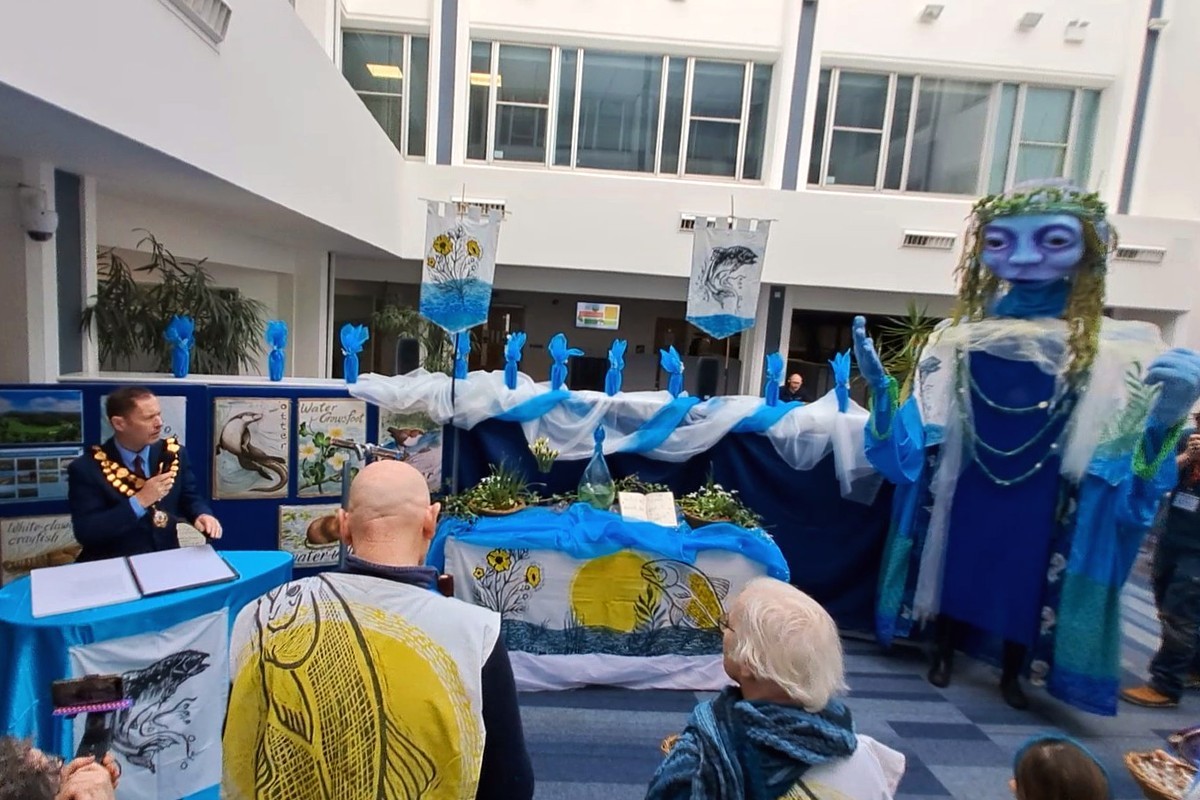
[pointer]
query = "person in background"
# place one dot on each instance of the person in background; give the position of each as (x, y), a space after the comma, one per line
(367, 682)
(27, 773)
(1054, 767)
(792, 390)
(781, 731)
(128, 495)
(1175, 578)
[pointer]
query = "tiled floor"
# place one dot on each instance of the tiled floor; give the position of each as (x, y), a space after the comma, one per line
(603, 743)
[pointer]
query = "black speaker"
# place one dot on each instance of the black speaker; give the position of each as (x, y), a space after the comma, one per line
(587, 372)
(708, 375)
(408, 355)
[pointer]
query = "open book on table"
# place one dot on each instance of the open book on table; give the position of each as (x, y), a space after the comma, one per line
(656, 507)
(93, 584)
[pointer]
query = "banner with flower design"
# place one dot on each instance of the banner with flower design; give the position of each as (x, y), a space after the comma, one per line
(627, 603)
(321, 420)
(726, 271)
(460, 265)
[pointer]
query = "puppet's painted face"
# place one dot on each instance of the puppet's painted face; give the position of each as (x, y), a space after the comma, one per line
(1033, 247)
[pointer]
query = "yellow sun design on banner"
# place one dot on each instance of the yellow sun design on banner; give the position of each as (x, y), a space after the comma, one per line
(605, 590)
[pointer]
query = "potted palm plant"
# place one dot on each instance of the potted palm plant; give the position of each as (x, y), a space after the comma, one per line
(901, 341)
(131, 315)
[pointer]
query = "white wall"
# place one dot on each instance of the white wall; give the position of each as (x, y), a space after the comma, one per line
(14, 365)
(267, 111)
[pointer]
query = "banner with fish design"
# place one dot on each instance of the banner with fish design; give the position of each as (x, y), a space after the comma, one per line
(726, 271)
(627, 603)
(169, 742)
(460, 265)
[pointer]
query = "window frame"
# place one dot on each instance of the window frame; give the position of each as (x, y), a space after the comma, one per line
(406, 92)
(553, 111)
(987, 150)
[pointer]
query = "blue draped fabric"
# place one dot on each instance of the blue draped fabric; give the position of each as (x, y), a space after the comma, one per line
(584, 533)
(37, 651)
(832, 546)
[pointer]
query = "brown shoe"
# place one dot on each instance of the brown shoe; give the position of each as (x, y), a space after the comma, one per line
(1148, 697)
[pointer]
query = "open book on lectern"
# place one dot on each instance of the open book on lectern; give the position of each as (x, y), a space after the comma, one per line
(94, 584)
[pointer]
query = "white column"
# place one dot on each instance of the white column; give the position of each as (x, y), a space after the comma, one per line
(309, 338)
(753, 350)
(90, 270)
(41, 286)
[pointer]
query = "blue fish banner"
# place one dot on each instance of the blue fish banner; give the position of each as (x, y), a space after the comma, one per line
(460, 266)
(726, 271)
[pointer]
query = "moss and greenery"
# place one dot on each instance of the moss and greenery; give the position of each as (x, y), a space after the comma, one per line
(714, 503)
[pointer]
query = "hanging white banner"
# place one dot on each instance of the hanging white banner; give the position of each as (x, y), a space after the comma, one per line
(169, 743)
(726, 272)
(459, 267)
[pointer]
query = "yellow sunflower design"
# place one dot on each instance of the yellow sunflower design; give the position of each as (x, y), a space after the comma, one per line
(473, 248)
(506, 580)
(442, 245)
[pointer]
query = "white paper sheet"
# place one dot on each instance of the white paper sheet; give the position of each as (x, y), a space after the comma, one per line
(656, 507)
(182, 568)
(76, 587)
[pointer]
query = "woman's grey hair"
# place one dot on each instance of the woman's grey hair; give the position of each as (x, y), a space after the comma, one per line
(20, 777)
(783, 637)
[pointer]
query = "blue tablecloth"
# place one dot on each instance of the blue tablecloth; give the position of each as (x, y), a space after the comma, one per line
(35, 652)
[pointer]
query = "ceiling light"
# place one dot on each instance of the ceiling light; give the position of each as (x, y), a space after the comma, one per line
(931, 12)
(1157, 23)
(1076, 31)
(386, 71)
(1029, 20)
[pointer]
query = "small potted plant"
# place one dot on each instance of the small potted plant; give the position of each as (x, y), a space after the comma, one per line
(714, 503)
(504, 491)
(543, 454)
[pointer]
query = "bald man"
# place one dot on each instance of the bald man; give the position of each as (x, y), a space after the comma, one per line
(367, 682)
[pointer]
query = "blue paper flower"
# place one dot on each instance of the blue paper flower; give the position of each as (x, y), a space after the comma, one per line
(559, 352)
(180, 331)
(774, 375)
(616, 363)
(841, 380)
(353, 338)
(277, 334)
(512, 357)
(672, 364)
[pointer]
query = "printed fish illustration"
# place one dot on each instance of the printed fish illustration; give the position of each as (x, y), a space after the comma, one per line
(693, 598)
(51, 558)
(314, 669)
(720, 280)
(236, 439)
(153, 724)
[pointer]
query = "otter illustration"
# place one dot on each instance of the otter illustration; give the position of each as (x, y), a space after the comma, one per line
(235, 438)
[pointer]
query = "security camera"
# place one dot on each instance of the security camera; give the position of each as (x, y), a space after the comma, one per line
(39, 221)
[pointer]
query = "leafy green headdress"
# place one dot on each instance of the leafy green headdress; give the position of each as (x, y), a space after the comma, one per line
(979, 287)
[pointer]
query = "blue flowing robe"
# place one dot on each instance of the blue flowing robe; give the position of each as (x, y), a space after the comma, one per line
(1040, 562)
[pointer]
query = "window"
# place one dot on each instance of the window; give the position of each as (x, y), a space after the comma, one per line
(917, 133)
(390, 72)
(595, 109)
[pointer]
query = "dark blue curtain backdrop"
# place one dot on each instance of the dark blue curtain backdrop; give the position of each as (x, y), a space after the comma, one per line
(832, 545)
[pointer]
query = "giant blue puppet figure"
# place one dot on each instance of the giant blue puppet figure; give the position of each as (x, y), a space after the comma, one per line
(1032, 455)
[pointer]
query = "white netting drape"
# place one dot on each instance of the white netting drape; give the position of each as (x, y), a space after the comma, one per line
(802, 436)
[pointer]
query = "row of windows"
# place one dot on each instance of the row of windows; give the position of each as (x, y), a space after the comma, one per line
(667, 115)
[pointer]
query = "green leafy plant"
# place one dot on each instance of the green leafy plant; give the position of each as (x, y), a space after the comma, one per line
(503, 489)
(543, 454)
(714, 503)
(437, 349)
(131, 315)
(632, 483)
(900, 344)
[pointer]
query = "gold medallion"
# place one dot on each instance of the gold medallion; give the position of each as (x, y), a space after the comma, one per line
(160, 518)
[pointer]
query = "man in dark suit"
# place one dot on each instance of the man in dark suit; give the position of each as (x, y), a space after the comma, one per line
(793, 390)
(128, 495)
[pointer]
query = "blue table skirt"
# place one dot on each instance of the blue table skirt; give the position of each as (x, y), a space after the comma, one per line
(36, 652)
(583, 532)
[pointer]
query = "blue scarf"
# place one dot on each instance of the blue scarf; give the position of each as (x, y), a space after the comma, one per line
(735, 748)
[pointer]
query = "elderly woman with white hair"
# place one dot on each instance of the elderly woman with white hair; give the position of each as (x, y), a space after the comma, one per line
(781, 732)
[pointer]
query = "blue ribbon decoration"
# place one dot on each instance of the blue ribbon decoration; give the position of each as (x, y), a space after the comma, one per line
(774, 376)
(672, 364)
(512, 358)
(616, 364)
(353, 337)
(841, 380)
(559, 351)
(462, 351)
(180, 334)
(277, 337)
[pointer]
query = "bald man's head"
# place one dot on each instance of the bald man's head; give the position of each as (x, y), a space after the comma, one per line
(389, 512)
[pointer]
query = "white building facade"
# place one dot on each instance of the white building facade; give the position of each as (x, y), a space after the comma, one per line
(296, 153)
